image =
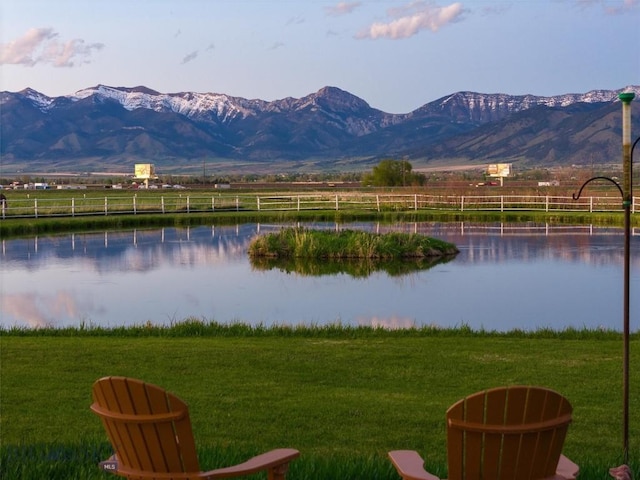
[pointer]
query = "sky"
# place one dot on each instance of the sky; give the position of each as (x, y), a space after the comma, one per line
(397, 55)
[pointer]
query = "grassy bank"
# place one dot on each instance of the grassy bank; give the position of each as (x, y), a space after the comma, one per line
(343, 396)
(39, 226)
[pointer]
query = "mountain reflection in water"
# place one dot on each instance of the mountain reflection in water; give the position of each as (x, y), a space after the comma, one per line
(506, 276)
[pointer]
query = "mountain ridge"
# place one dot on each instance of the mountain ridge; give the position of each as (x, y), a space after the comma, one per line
(122, 125)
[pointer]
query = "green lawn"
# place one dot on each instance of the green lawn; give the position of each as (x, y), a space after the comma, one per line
(343, 397)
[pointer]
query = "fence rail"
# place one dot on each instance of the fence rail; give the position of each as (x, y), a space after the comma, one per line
(118, 205)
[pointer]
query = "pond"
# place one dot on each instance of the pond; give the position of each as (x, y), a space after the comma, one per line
(506, 276)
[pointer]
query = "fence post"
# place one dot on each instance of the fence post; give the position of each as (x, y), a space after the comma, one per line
(213, 203)
(135, 205)
(73, 207)
(188, 207)
(237, 204)
(337, 202)
(35, 208)
(502, 203)
(298, 202)
(258, 202)
(415, 202)
(546, 204)
(378, 203)
(106, 207)
(590, 204)
(162, 203)
(462, 203)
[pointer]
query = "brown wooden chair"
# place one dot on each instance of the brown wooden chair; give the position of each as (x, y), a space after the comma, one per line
(150, 432)
(514, 433)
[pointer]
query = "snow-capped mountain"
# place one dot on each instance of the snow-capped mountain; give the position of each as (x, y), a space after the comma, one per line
(483, 108)
(225, 108)
(117, 124)
(192, 105)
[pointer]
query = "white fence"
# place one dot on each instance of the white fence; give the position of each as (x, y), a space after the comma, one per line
(348, 201)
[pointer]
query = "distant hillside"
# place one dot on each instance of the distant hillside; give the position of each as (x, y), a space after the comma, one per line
(103, 128)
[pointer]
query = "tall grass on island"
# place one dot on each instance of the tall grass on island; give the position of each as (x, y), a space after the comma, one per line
(300, 242)
(342, 395)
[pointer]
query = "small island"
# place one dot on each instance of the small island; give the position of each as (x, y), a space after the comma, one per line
(299, 242)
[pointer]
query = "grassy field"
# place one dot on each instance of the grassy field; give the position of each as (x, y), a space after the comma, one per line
(342, 396)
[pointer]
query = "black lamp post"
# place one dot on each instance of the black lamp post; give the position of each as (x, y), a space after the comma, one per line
(627, 186)
(626, 191)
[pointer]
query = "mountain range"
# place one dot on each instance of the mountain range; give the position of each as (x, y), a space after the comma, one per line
(105, 128)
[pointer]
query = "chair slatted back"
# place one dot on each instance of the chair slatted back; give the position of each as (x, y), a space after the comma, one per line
(149, 428)
(507, 433)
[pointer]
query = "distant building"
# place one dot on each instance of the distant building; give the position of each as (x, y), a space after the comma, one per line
(36, 186)
(500, 170)
(144, 172)
(71, 187)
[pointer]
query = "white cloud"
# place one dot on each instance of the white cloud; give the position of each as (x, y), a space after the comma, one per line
(69, 54)
(625, 6)
(342, 8)
(295, 21)
(22, 50)
(191, 56)
(41, 45)
(496, 9)
(412, 19)
(613, 7)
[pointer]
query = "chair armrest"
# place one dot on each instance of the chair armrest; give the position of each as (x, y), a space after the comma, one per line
(567, 469)
(410, 465)
(279, 457)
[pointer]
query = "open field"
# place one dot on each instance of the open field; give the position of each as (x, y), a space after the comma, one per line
(342, 396)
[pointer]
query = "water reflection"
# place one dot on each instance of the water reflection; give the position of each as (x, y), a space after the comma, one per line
(352, 267)
(505, 276)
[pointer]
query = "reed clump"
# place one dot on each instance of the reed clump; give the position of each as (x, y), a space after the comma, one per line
(300, 242)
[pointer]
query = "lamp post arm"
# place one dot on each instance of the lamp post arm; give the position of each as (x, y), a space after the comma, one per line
(631, 157)
(576, 197)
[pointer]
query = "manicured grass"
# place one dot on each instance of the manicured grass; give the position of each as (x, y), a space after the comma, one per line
(342, 396)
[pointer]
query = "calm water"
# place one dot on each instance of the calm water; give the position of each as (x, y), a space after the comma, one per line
(504, 277)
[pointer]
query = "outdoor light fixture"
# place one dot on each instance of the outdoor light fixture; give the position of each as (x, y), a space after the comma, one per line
(626, 191)
(627, 200)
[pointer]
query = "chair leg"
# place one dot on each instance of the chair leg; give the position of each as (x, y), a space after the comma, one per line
(279, 472)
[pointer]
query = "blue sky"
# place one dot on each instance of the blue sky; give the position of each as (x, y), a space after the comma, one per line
(396, 55)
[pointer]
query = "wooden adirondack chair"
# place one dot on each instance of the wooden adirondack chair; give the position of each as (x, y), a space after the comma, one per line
(514, 433)
(150, 432)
